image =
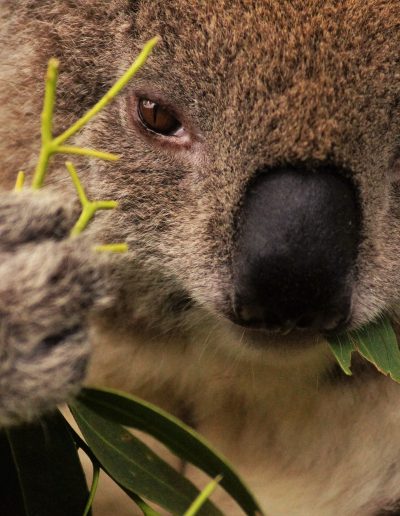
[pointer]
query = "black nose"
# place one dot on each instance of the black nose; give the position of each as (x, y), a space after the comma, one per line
(298, 234)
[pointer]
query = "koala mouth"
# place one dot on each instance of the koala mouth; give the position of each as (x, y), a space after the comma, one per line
(294, 265)
(327, 324)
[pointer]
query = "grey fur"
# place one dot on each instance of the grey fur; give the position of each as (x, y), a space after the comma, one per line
(49, 286)
(255, 84)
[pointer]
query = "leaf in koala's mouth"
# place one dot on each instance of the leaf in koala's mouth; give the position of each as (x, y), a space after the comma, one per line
(376, 342)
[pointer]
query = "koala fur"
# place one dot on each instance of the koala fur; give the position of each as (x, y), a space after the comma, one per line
(254, 84)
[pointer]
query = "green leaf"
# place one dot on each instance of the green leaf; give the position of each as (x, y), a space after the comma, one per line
(133, 465)
(342, 347)
(50, 475)
(11, 501)
(178, 437)
(377, 342)
(143, 506)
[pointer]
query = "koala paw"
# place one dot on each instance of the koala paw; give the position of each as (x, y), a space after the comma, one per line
(49, 285)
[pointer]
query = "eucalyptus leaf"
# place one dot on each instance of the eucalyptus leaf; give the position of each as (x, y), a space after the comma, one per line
(342, 347)
(143, 506)
(377, 342)
(49, 471)
(187, 444)
(11, 500)
(133, 465)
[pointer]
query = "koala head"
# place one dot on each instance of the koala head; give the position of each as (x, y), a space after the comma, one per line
(260, 153)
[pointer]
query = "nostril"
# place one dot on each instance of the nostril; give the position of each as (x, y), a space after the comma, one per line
(255, 316)
(329, 321)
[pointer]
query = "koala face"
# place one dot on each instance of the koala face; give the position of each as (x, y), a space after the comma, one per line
(259, 147)
(260, 157)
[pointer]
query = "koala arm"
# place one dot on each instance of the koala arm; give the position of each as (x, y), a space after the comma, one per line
(49, 286)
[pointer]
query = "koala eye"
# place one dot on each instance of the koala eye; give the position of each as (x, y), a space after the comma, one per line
(157, 118)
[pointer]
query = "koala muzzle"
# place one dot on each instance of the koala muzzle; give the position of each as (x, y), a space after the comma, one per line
(298, 233)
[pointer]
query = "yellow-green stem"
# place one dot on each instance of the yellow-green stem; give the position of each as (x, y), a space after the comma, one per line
(49, 100)
(39, 176)
(89, 207)
(105, 205)
(85, 217)
(48, 148)
(78, 186)
(19, 184)
(93, 489)
(109, 96)
(107, 156)
(51, 146)
(203, 497)
(112, 248)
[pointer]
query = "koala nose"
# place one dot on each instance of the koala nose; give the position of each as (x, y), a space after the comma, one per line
(298, 232)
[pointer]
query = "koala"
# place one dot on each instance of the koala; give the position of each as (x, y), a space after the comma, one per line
(258, 190)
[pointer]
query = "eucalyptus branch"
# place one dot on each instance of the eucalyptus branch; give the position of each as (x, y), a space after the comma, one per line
(81, 444)
(93, 489)
(19, 184)
(111, 94)
(54, 145)
(203, 497)
(47, 147)
(89, 208)
(114, 248)
(51, 145)
(106, 156)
